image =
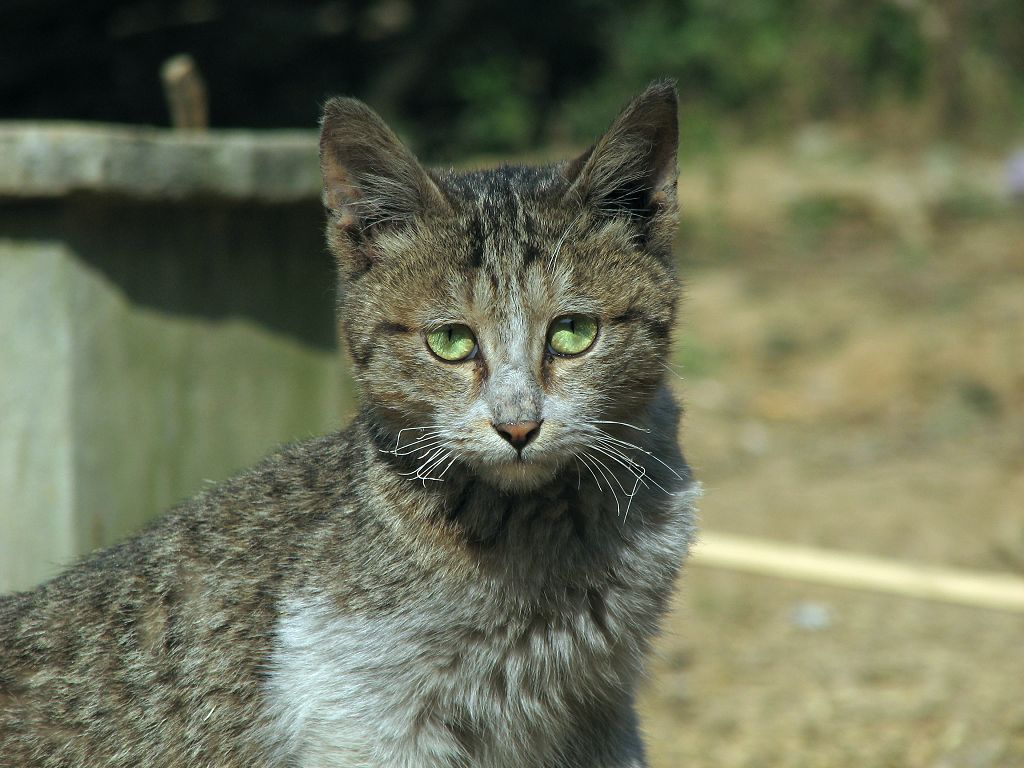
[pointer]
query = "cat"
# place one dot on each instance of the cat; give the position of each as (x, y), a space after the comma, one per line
(472, 572)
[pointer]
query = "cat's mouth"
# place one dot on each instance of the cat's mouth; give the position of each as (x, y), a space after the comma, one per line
(519, 472)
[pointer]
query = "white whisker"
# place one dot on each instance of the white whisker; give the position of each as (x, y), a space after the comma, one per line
(614, 450)
(421, 449)
(603, 469)
(432, 454)
(436, 427)
(637, 470)
(448, 465)
(624, 424)
(420, 439)
(425, 475)
(625, 444)
(561, 240)
(672, 370)
(587, 465)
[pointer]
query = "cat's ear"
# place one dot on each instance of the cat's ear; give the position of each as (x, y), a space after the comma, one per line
(371, 180)
(631, 169)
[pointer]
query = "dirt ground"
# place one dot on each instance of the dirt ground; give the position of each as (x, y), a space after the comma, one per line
(852, 362)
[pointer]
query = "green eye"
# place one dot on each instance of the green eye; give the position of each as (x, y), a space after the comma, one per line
(572, 334)
(453, 342)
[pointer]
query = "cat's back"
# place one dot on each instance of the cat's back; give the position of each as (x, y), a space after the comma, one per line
(161, 642)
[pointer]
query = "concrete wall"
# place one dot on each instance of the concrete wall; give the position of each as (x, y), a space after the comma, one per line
(149, 342)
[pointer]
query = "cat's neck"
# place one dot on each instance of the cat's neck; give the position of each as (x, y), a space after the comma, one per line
(568, 528)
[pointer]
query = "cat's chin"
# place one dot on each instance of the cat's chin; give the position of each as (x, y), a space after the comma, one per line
(517, 476)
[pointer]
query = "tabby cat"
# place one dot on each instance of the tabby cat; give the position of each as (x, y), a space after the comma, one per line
(471, 573)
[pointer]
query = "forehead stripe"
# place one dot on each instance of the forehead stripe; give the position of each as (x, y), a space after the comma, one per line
(634, 314)
(475, 231)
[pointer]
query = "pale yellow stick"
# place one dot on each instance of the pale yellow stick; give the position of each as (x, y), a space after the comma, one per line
(989, 590)
(185, 91)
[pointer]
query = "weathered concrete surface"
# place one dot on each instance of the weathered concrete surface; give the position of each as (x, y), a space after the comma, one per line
(36, 473)
(110, 412)
(166, 318)
(52, 159)
(163, 403)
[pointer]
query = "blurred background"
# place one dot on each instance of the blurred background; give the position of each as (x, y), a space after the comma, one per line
(463, 78)
(850, 353)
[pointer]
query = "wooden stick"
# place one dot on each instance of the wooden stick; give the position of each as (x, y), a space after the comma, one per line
(988, 590)
(185, 92)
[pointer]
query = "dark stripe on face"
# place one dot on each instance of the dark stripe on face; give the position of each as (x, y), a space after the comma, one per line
(362, 356)
(476, 243)
(545, 370)
(480, 371)
(361, 353)
(530, 254)
(636, 315)
(529, 225)
(531, 251)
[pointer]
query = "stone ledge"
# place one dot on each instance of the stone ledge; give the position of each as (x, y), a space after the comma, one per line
(58, 159)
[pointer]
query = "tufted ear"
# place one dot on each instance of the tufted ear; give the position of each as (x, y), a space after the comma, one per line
(631, 169)
(371, 180)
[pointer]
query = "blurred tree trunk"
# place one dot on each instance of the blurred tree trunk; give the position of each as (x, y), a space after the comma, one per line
(401, 76)
(946, 27)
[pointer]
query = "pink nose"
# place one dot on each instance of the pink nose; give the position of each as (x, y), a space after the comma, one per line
(518, 433)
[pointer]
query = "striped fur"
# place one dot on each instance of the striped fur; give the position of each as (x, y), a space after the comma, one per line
(411, 591)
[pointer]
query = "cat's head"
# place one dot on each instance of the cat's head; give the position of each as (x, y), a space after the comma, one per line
(499, 321)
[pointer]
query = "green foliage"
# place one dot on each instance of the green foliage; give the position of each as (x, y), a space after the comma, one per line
(497, 108)
(467, 78)
(762, 66)
(768, 61)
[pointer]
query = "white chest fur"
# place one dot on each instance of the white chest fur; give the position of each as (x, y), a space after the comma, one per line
(427, 688)
(458, 677)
